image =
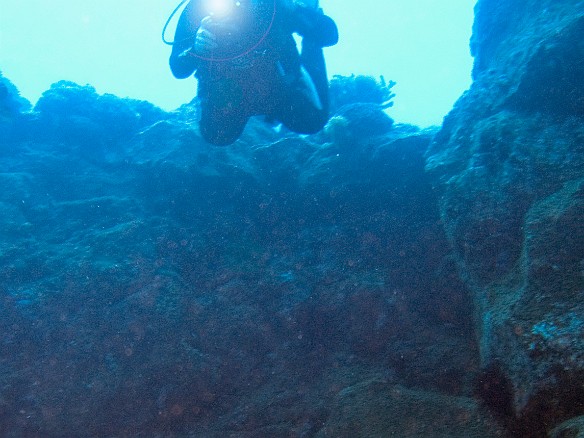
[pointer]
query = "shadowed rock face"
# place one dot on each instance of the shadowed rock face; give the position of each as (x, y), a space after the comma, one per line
(152, 284)
(509, 164)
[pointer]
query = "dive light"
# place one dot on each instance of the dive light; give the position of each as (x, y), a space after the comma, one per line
(221, 8)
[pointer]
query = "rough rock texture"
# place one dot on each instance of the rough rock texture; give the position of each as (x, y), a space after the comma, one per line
(509, 166)
(573, 428)
(373, 409)
(302, 286)
(153, 285)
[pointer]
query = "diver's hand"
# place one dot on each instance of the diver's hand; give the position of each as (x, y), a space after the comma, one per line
(205, 41)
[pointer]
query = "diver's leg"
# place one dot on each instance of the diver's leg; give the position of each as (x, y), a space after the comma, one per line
(312, 59)
(306, 106)
(219, 127)
(301, 109)
(223, 118)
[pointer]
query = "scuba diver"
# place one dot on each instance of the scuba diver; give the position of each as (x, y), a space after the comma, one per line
(247, 63)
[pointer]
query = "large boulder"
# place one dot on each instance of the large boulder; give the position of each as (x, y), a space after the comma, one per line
(374, 408)
(509, 165)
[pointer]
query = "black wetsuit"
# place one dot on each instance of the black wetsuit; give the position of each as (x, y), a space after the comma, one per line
(258, 70)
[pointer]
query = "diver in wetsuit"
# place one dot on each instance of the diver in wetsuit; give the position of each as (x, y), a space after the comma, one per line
(247, 63)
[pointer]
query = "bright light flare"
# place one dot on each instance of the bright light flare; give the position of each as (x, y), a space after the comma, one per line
(221, 8)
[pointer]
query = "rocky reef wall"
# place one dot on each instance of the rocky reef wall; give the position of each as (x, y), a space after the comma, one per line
(152, 284)
(369, 280)
(509, 166)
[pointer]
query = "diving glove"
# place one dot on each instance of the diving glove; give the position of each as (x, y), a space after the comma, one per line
(205, 40)
(216, 37)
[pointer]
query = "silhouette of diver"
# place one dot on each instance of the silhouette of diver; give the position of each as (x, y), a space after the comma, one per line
(247, 63)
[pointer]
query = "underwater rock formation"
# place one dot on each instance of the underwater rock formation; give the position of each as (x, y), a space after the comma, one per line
(508, 164)
(152, 284)
(11, 103)
(363, 281)
(378, 408)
